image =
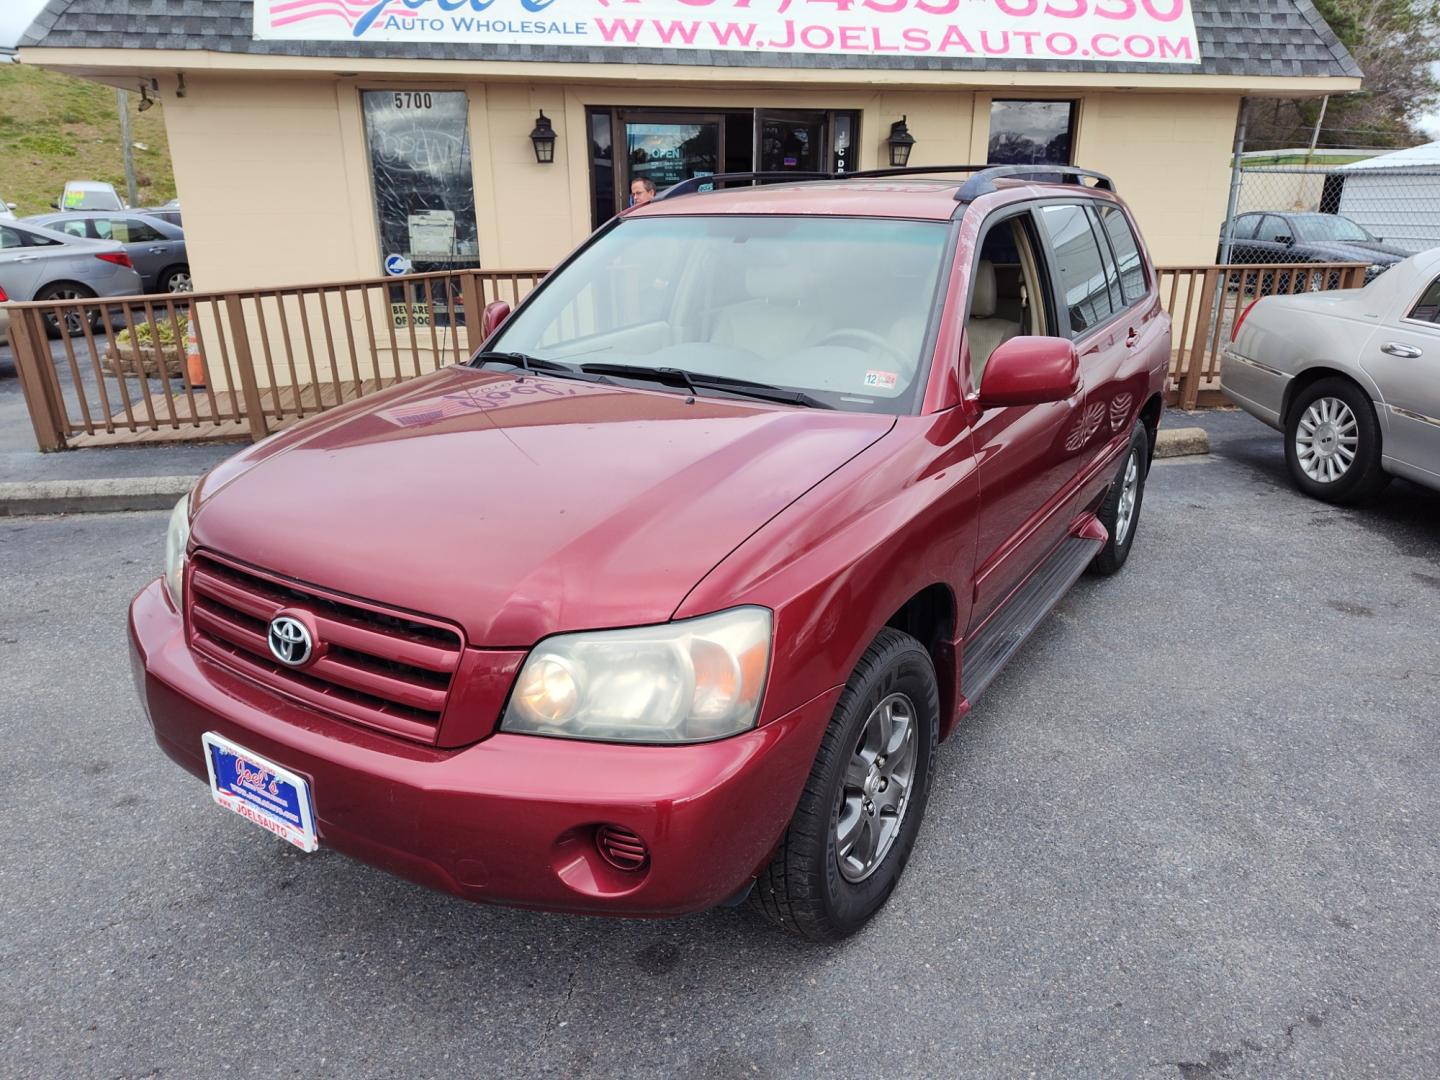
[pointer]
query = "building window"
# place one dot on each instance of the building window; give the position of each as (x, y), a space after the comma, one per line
(1031, 132)
(420, 169)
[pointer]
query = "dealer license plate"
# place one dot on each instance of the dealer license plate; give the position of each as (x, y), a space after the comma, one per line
(258, 790)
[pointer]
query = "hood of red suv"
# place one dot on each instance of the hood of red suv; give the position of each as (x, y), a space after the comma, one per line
(521, 508)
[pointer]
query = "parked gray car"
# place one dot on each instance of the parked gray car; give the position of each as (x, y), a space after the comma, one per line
(1352, 378)
(40, 264)
(156, 247)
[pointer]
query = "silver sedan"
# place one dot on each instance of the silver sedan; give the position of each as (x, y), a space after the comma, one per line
(1352, 378)
(38, 264)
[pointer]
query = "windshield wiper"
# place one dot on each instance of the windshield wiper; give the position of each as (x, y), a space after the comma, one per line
(526, 361)
(695, 381)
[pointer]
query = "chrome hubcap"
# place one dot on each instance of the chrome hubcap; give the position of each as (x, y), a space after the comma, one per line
(875, 792)
(1129, 490)
(1326, 440)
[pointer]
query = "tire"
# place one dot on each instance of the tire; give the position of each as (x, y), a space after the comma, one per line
(1332, 442)
(68, 290)
(810, 888)
(1120, 512)
(176, 280)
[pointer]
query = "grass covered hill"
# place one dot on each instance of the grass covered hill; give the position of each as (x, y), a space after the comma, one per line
(55, 128)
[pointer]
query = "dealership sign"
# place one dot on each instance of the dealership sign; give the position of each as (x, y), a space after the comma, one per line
(1130, 31)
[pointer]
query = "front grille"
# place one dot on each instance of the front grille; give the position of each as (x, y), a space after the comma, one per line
(384, 669)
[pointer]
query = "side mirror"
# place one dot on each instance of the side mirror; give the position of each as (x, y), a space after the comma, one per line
(496, 312)
(1030, 371)
(9, 206)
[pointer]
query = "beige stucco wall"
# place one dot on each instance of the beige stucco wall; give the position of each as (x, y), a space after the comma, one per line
(1170, 157)
(274, 177)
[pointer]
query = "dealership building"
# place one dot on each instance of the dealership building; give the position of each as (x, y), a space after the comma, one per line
(323, 140)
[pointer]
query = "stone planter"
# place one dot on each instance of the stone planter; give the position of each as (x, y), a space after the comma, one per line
(146, 361)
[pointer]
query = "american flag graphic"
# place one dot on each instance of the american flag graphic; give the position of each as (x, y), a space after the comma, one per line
(287, 12)
(434, 410)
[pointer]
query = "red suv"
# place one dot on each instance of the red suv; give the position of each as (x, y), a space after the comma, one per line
(666, 598)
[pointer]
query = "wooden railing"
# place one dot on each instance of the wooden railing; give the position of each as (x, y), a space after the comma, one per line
(1206, 301)
(243, 363)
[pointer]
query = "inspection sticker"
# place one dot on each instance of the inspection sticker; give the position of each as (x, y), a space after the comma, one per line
(881, 380)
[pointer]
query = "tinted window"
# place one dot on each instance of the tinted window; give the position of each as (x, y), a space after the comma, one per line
(1428, 309)
(1126, 251)
(1245, 227)
(1031, 132)
(1078, 265)
(9, 238)
(127, 231)
(1274, 230)
(1107, 259)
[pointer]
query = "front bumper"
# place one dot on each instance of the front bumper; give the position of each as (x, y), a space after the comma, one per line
(510, 819)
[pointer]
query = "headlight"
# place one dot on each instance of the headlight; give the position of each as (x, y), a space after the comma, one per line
(177, 539)
(681, 682)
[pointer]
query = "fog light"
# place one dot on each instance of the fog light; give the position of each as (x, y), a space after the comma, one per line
(621, 848)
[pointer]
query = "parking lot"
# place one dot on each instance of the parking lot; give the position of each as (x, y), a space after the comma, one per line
(1192, 831)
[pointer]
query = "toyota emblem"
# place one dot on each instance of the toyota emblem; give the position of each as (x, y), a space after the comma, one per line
(290, 641)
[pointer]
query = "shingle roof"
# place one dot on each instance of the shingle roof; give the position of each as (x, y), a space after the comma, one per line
(1237, 37)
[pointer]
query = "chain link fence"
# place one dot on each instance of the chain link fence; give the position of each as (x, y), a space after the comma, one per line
(1363, 211)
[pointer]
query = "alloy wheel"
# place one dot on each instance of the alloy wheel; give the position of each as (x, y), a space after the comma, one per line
(1129, 490)
(875, 792)
(1326, 440)
(74, 317)
(181, 283)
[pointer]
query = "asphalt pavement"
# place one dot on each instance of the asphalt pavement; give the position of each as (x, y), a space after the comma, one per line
(1193, 831)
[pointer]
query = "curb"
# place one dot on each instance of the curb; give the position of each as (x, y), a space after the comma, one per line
(93, 496)
(1181, 442)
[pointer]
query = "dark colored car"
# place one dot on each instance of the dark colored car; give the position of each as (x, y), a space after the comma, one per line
(666, 598)
(1272, 236)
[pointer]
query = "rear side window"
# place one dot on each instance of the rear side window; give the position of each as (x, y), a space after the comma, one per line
(1116, 227)
(1428, 309)
(132, 231)
(1079, 267)
(9, 238)
(1275, 230)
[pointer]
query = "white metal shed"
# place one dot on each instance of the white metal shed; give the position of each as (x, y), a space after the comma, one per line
(1396, 196)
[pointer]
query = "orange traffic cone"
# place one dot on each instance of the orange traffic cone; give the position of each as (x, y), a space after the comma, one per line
(194, 363)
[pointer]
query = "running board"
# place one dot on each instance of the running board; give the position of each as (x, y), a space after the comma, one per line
(1001, 637)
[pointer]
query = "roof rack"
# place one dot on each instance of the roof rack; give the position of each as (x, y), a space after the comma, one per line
(981, 182)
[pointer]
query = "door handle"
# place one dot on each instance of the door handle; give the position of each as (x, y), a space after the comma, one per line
(28, 258)
(1406, 352)
(157, 251)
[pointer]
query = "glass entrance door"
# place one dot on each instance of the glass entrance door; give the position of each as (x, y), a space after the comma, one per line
(790, 141)
(665, 148)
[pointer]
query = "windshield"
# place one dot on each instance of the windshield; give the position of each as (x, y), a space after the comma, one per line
(839, 308)
(1327, 228)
